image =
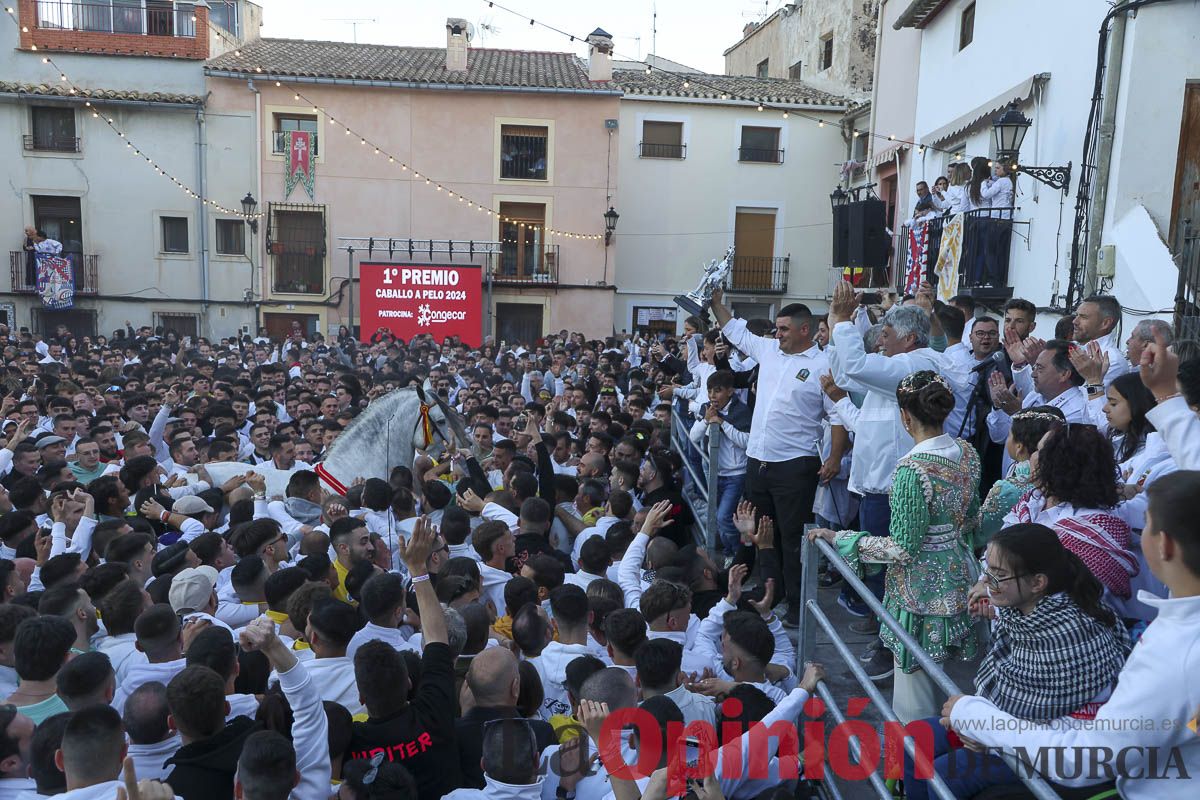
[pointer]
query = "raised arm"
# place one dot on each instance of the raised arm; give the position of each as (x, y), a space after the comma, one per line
(416, 552)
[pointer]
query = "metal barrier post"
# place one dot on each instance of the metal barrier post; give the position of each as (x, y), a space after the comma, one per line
(713, 494)
(809, 573)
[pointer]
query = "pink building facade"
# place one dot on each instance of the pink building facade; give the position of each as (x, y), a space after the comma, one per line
(523, 134)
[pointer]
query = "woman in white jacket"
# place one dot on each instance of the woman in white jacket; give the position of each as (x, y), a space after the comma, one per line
(956, 199)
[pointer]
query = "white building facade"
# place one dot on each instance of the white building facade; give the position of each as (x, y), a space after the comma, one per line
(142, 248)
(973, 63)
(700, 174)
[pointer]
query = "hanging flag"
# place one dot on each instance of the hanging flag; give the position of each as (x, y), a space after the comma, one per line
(55, 281)
(917, 257)
(300, 165)
(947, 263)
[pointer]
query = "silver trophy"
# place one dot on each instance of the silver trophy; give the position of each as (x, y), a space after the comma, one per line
(696, 302)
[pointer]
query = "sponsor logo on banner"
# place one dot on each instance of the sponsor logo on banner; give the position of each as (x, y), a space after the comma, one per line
(409, 300)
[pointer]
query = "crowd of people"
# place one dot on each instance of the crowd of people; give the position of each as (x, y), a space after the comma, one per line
(186, 600)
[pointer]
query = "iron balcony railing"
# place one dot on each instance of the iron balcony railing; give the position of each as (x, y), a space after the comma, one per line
(51, 144)
(526, 264)
(280, 140)
(24, 272)
(760, 155)
(149, 18)
(985, 248)
(656, 150)
(758, 275)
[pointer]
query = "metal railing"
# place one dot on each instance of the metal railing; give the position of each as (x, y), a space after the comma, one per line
(280, 143)
(759, 274)
(1187, 294)
(529, 263)
(813, 618)
(760, 155)
(700, 467)
(51, 144)
(655, 150)
(984, 255)
(106, 16)
(523, 157)
(85, 267)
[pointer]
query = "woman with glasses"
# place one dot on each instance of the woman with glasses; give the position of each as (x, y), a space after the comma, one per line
(1029, 425)
(930, 565)
(1075, 493)
(1055, 655)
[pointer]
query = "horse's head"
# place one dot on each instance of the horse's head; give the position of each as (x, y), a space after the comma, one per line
(439, 422)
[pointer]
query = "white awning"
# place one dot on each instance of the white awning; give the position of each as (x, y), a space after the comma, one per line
(1020, 93)
(890, 153)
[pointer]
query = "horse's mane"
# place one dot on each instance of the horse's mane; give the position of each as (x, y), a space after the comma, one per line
(454, 420)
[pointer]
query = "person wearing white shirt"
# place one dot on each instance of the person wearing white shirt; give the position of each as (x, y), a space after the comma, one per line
(331, 625)
(1054, 382)
(734, 420)
(383, 603)
(1158, 761)
(879, 436)
(997, 191)
(658, 672)
(495, 544)
(1097, 319)
(783, 464)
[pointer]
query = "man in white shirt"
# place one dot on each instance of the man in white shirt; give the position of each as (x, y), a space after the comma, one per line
(1176, 387)
(783, 463)
(495, 544)
(734, 418)
(383, 603)
(331, 625)
(880, 439)
(1055, 382)
(1096, 320)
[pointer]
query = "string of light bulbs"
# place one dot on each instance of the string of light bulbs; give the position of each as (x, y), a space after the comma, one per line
(75, 90)
(404, 166)
(688, 79)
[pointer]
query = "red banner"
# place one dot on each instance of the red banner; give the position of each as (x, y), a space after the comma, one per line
(299, 164)
(408, 300)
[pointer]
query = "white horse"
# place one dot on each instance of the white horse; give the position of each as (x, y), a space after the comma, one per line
(387, 435)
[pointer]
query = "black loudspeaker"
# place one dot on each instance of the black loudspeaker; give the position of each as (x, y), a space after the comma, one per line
(841, 236)
(868, 246)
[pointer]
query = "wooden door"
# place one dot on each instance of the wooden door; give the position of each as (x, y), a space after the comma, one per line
(754, 250)
(1186, 203)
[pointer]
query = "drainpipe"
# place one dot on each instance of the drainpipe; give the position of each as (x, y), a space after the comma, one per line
(258, 192)
(202, 208)
(1104, 148)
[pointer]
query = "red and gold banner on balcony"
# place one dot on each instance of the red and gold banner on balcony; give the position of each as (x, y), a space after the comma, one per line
(408, 300)
(55, 281)
(301, 168)
(916, 257)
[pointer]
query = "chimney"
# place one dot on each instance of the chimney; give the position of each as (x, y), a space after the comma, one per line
(458, 38)
(748, 29)
(600, 48)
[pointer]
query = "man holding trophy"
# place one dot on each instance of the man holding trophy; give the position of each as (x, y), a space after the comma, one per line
(783, 463)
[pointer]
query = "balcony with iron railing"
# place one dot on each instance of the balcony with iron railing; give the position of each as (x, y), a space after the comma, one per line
(280, 143)
(758, 275)
(85, 267)
(656, 150)
(985, 248)
(51, 143)
(529, 264)
(151, 18)
(760, 155)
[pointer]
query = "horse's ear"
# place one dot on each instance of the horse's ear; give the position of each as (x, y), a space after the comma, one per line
(421, 393)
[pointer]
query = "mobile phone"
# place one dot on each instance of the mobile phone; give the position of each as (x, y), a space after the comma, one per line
(692, 752)
(870, 298)
(520, 423)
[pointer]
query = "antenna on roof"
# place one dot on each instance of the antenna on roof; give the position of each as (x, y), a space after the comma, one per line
(485, 28)
(353, 22)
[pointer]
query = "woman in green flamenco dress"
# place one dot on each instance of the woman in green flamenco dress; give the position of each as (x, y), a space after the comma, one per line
(928, 556)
